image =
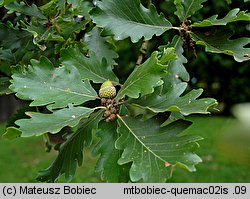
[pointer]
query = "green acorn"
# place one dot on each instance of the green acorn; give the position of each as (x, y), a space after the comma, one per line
(107, 90)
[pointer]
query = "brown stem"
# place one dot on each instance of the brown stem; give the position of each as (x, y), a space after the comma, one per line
(143, 51)
(149, 2)
(51, 22)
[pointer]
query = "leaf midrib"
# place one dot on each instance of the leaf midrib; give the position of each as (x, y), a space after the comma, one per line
(155, 155)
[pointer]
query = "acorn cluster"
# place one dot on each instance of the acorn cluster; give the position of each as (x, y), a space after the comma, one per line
(107, 94)
(111, 109)
(184, 31)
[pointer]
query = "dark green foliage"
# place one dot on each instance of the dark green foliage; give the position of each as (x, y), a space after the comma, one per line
(56, 54)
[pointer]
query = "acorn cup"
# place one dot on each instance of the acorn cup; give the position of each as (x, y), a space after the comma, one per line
(107, 93)
(107, 90)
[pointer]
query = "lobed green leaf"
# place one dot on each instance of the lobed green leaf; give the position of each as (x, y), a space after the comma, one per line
(40, 123)
(91, 68)
(129, 18)
(12, 133)
(153, 149)
(100, 46)
(71, 151)
(107, 164)
(218, 41)
(144, 78)
(55, 87)
(232, 16)
(32, 10)
(176, 69)
(186, 8)
(170, 99)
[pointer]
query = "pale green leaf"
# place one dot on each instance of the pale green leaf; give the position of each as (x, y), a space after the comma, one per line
(40, 123)
(218, 41)
(143, 79)
(153, 149)
(55, 87)
(186, 8)
(71, 151)
(176, 69)
(168, 54)
(11, 133)
(129, 18)
(232, 16)
(91, 68)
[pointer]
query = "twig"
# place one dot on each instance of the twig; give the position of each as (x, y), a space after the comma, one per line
(149, 2)
(143, 51)
(52, 21)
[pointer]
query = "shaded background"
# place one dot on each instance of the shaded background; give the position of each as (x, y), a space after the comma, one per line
(225, 151)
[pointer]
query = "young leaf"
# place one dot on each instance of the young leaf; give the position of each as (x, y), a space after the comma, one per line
(153, 149)
(176, 70)
(41, 123)
(186, 8)
(12, 133)
(89, 68)
(168, 96)
(232, 16)
(71, 151)
(129, 18)
(170, 99)
(55, 87)
(143, 79)
(109, 155)
(100, 46)
(218, 41)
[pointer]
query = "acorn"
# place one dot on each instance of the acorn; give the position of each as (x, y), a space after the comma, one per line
(112, 117)
(103, 101)
(113, 110)
(107, 90)
(107, 114)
